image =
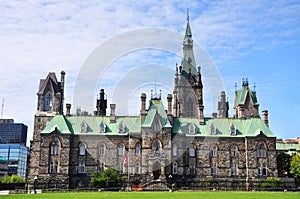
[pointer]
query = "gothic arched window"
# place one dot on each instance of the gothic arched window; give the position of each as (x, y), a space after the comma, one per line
(213, 151)
(233, 151)
(48, 101)
(137, 149)
(82, 149)
(192, 150)
(261, 150)
(55, 147)
(121, 149)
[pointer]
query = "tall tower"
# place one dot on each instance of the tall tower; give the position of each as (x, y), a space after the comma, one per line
(223, 106)
(245, 102)
(188, 95)
(101, 104)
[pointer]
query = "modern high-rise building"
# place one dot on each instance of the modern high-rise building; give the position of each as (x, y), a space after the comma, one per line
(13, 149)
(12, 133)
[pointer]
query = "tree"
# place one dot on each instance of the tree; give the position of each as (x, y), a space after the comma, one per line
(107, 178)
(295, 167)
(283, 164)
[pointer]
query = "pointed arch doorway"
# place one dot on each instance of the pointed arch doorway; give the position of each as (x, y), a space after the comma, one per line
(156, 170)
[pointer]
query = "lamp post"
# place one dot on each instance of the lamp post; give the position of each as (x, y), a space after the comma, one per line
(34, 184)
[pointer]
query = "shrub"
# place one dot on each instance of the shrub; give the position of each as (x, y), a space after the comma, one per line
(273, 183)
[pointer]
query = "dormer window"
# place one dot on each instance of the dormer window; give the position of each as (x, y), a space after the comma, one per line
(232, 130)
(192, 129)
(83, 127)
(102, 127)
(156, 127)
(121, 128)
(48, 101)
(213, 130)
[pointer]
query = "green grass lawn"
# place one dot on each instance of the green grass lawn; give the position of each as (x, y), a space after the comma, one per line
(159, 195)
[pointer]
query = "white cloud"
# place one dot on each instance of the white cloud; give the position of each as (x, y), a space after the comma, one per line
(41, 36)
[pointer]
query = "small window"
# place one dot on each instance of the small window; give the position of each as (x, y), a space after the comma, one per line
(121, 149)
(232, 130)
(56, 167)
(137, 168)
(54, 148)
(192, 129)
(102, 127)
(233, 168)
(192, 169)
(262, 169)
(175, 168)
(81, 167)
(261, 150)
(83, 127)
(233, 151)
(48, 101)
(192, 151)
(101, 149)
(213, 151)
(100, 166)
(51, 165)
(82, 149)
(213, 169)
(175, 150)
(137, 149)
(213, 130)
(121, 128)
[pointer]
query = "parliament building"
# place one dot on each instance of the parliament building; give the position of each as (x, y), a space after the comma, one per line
(170, 141)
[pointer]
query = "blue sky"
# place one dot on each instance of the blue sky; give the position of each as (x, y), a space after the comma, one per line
(254, 39)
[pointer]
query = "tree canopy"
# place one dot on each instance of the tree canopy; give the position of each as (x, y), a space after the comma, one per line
(295, 167)
(107, 178)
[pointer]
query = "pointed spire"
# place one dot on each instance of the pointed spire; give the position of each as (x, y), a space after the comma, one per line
(188, 32)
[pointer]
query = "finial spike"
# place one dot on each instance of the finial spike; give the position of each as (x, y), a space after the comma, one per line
(187, 14)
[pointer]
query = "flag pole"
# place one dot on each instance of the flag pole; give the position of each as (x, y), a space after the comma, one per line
(128, 176)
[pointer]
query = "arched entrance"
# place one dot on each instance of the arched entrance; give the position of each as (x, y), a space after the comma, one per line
(156, 170)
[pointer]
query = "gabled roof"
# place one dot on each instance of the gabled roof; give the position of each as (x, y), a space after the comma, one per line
(156, 109)
(244, 127)
(60, 123)
(51, 78)
(241, 96)
(72, 124)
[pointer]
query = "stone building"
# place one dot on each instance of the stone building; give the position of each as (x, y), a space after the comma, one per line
(173, 145)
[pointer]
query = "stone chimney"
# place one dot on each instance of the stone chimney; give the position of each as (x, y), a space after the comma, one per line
(143, 107)
(265, 117)
(112, 113)
(169, 112)
(68, 106)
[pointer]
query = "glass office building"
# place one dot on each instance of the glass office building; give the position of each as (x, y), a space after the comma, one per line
(17, 157)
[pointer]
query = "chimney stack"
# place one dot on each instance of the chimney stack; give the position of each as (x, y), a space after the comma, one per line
(112, 113)
(143, 107)
(265, 117)
(62, 87)
(68, 106)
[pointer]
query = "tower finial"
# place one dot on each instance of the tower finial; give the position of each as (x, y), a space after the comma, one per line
(187, 14)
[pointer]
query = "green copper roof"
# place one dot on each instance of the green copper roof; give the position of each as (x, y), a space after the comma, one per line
(243, 127)
(241, 96)
(72, 124)
(60, 123)
(156, 109)
(289, 148)
(188, 32)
